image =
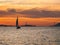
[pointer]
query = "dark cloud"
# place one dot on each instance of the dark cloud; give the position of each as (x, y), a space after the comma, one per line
(8, 12)
(40, 13)
(33, 13)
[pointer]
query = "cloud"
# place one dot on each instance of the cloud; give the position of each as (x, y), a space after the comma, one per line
(34, 2)
(32, 13)
(29, 2)
(5, 1)
(9, 12)
(40, 13)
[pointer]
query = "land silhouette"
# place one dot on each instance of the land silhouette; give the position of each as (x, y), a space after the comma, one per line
(57, 25)
(27, 25)
(3, 25)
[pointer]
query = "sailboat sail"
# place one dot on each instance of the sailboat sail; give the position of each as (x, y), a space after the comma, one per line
(17, 23)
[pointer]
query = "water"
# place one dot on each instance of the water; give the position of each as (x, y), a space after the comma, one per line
(30, 36)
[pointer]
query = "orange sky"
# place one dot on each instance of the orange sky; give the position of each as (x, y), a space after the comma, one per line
(51, 5)
(33, 21)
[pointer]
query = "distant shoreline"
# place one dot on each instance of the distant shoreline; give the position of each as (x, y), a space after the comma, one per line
(56, 25)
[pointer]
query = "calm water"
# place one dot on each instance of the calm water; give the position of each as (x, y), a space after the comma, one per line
(30, 36)
(32, 28)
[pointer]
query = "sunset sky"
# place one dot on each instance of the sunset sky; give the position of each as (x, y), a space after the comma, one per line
(35, 12)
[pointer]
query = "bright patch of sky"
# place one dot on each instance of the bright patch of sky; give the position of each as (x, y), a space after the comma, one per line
(34, 2)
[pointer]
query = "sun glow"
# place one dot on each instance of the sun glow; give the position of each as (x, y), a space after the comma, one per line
(23, 5)
(32, 21)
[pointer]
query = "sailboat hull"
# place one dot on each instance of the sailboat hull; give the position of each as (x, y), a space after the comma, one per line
(18, 27)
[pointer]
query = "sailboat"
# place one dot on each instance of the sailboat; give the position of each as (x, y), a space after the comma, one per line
(17, 26)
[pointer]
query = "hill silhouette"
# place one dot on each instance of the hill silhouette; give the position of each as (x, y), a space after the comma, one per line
(2, 25)
(57, 25)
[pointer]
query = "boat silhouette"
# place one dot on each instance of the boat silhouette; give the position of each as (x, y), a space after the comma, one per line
(17, 26)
